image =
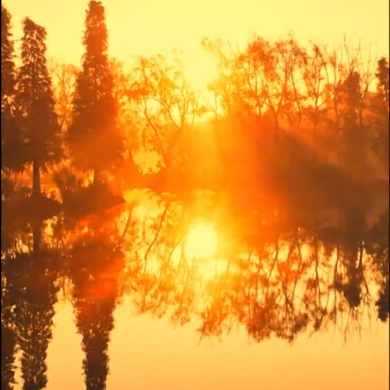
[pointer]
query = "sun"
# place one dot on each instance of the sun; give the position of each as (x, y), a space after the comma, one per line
(201, 242)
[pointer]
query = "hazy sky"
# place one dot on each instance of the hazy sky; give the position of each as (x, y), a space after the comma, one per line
(149, 26)
(146, 354)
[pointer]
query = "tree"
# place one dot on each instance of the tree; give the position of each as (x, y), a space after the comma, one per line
(94, 294)
(35, 104)
(10, 141)
(7, 57)
(95, 126)
(168, 105)
(353, 137)
(379, 249)
(34, 315)
(8, 335)
(64, 82)
(8, 349)
(165, 110)
(381, 113)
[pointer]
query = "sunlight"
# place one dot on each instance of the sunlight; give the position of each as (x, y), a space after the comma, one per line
(199, 68)
(201, 242)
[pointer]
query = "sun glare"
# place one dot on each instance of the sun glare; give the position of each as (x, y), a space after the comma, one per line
(201, 242)
(199, 68)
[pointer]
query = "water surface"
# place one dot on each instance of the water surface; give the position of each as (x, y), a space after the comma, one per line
(146, 297)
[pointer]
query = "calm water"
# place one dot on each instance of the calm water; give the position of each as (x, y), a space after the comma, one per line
(149, 354)
(164, 296)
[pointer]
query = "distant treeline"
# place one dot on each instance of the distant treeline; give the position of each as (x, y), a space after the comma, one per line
(279, 109)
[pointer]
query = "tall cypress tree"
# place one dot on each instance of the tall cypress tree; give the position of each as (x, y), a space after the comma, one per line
(34, 315)
(8, 335)
(95, 322)
(95, 139)
(35, 104)
(10, 140)
(7, 56)
(95, 290)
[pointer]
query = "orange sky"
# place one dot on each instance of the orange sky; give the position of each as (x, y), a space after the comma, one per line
(150, 26)
(147, 355)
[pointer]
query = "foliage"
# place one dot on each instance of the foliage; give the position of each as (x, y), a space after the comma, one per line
(95, 124)
(35, 103)
(11, 143)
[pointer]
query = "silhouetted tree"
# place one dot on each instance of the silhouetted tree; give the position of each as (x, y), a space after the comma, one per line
(379, 248)
(380, 106)
(64, 83)
(37, 294)
(11, 146)
(8, 348)
(7, 58)
(354, 140)
(35, 104)
(289, 145)
(95, 124)
(96, 260)
(8, 334)
(95, 322)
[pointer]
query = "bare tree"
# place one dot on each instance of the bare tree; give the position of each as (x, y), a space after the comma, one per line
(167, 108)
(64, 82)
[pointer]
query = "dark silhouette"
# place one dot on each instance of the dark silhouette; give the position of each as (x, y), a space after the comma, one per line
(34, 317)
(380, 105)
(37, 120)
(29, 294)
(8, 332)
(105, 171)
(95, 291)
(11, 141)
(95, 110)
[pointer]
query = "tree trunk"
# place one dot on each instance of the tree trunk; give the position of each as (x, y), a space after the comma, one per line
(37, 239)
(37, 224)
(36, 178)
(97, 176)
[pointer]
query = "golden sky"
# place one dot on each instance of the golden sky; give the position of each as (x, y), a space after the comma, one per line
(146, 354)
(150, 26)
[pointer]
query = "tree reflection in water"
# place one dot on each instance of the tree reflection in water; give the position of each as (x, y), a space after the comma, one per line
(255, 216)
(269, 273)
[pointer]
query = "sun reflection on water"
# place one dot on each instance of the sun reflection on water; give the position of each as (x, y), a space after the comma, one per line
(201, 242)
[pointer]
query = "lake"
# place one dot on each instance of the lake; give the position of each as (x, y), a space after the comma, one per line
(176, 297)
(148, 354)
